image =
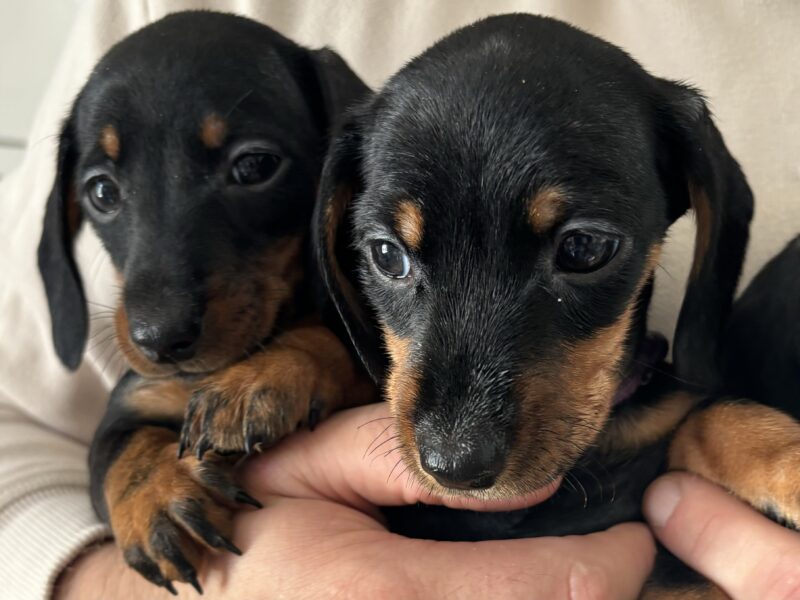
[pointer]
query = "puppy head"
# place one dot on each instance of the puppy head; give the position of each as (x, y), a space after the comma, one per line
(194, 151)
(500, 206)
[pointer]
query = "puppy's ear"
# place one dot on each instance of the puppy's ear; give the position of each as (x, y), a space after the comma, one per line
(57, 266)
(333, 243)
(335, 87)
(701, 174)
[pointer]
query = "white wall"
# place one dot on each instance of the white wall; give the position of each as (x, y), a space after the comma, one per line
(32, 33)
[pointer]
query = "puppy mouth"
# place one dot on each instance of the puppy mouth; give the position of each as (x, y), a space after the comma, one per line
(482, 500)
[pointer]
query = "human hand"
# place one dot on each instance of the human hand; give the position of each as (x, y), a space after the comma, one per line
(739, 549)
(320, 535)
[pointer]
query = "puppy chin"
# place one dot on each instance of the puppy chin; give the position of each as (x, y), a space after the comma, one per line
(499, 497)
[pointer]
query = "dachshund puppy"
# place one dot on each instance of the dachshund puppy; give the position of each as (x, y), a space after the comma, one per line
(489, 227)
(194, 151)
(762, 343)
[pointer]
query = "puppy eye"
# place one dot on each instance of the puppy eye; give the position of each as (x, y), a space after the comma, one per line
(583, 252)
(103, 194)
(255, 168)
(391, 259)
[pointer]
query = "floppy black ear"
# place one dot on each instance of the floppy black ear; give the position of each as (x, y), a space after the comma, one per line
(335, 87)
(707, 179)
(332, 235)
(57, 266)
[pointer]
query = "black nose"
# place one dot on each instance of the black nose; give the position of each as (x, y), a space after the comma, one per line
(167, 342)
(462, 465)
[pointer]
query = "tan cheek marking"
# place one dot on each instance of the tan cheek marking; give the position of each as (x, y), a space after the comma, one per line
(578, 389)
(703, 217)
(648, 424)
(545, 209)
(402, 388)
(213, 130)
(409, 224)
(109, 142)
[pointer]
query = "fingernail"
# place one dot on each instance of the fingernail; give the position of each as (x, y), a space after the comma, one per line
(661, 500)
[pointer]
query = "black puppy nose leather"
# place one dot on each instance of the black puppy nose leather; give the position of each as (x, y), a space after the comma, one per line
(454, 465)
(167, 344)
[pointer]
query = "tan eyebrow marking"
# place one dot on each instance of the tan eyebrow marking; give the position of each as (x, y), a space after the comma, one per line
(545, 209)
(409, 223)
(109, 142)
(213, 130)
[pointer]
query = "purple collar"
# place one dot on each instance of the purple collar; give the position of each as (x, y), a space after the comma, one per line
(651, 351)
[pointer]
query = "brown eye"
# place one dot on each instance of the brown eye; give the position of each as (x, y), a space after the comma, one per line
(103, 194)
(255, 168)
(390, 259)
(584, 252)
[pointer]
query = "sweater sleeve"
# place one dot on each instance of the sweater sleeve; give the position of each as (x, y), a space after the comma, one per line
(45, 515)
(48, 414)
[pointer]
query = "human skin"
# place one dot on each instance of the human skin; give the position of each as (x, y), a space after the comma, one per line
(320, 535)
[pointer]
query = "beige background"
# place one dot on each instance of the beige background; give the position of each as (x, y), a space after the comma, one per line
(32, 36)
(744, 54)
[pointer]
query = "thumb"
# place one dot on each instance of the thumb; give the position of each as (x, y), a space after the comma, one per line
(724, 539)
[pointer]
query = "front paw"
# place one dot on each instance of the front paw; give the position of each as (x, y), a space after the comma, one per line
(169, 511)
(252, 405)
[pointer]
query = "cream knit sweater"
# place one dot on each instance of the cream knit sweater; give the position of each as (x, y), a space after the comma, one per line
(744, 55)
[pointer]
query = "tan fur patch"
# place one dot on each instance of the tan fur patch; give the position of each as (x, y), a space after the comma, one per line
(567, 400)
(272, 391)
(109, 142)
(213, 130)
(751, 449)
(545, 209)
(644, 425)
(161, 398)
(410, 224)
(145, 484)
(703, 218)
(703, 591)
(241, 310)
(402, 388)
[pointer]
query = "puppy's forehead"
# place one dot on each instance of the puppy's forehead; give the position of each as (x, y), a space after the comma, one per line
(517, 115)
(183, 86)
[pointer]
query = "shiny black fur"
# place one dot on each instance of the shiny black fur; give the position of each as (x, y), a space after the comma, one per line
(470, 131)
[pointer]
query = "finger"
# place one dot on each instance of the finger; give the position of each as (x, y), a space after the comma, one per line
(734, 546)
(354, 458)
(610, 564)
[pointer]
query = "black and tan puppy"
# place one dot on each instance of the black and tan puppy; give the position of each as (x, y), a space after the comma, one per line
(500, 206)
(194, 151)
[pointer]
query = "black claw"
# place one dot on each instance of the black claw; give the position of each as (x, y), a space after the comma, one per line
(195, 584)
(202, 447)
(228, 545)
(147, 568)
(243, 497)
(170, 588)
(181, 446)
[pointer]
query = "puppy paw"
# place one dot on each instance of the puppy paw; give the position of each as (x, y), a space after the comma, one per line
(169, 511)
(252, 405)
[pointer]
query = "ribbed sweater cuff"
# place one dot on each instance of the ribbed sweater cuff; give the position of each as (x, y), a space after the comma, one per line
(40, 534)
